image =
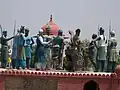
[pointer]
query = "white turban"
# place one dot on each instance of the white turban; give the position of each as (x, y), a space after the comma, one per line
(112, 32)
(41, 30)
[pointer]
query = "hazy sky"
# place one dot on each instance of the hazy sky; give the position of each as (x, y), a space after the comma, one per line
(68, 14)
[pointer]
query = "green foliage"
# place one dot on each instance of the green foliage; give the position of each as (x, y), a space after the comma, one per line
(84, 55)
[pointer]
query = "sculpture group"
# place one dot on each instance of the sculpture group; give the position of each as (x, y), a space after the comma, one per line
(101, 52)
(48, 51)
(22, 49)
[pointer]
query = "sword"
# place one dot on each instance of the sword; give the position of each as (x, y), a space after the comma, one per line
(13, 32)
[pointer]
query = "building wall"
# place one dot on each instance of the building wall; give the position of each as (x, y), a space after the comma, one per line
(54, 83)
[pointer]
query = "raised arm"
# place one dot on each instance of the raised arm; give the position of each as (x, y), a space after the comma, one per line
(32, 41)
(7, 39)
(98, 38)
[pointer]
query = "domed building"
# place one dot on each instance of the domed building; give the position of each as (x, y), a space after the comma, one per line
(51, 28)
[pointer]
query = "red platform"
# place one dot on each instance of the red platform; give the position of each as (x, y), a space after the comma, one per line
(51, 80)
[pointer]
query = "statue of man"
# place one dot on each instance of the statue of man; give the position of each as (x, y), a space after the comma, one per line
(28, 42)
(20, 49)
(40, 51)
(112, 43)
(101, 52)
(48, 52)
(60, 42)
(77, 55)
(93, 51)
(4, 48)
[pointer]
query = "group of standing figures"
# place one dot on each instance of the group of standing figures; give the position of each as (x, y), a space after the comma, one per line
(103, 51)
(22, 49)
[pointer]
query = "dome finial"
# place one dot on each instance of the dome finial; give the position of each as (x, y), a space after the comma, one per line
(50, 17)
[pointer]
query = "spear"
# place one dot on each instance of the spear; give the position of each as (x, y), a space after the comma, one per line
(98, 30)
(109, 28)
(14, 27)
(14, 31)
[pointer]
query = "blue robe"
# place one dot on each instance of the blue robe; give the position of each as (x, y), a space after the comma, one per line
(27, 45)
(40, 53)
(14, 47)
(21, 52)
(14, 51)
